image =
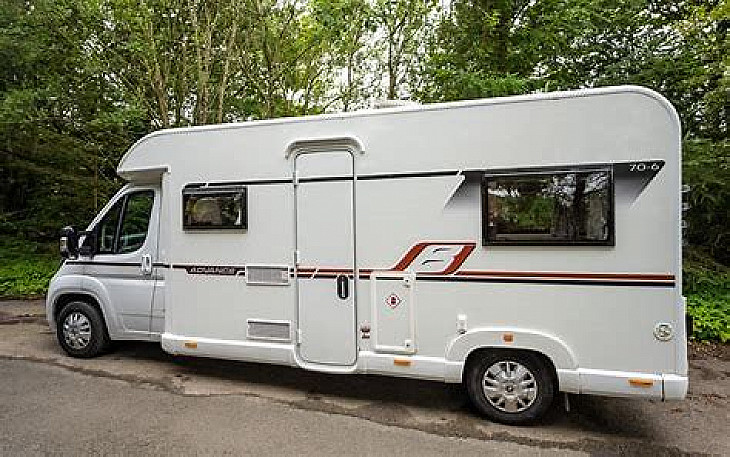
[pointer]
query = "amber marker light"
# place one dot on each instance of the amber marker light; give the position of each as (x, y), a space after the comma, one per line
(640, 382)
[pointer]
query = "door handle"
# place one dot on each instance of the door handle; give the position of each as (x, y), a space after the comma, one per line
(146, 264)
(343, 287)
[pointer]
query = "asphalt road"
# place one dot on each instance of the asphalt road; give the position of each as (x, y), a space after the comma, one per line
(49, 410)
(140, 400)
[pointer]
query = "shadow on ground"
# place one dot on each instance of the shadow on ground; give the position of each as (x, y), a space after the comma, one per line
(386, 396)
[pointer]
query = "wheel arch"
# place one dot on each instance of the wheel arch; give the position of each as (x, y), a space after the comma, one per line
(474, 356)
(64, 299)
(556, 354)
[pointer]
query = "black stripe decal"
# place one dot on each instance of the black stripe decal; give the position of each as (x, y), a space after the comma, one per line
(238, 270)
(253, 182)
(570, 282)
(425, 174)
(103, 263)
(260, 182)
(115, 264)
(470, 174)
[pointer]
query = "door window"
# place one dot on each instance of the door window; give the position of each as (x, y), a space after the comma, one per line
(124, 228)
(136, 221)
(106, 230)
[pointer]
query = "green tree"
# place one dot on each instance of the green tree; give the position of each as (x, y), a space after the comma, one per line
(488, 48)
(348, 25)
(401, 26)
(177, 58)
(63, 126)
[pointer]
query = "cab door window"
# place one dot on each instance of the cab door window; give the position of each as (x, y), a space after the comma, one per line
(106, 230)
(124, 228)
(136, 221)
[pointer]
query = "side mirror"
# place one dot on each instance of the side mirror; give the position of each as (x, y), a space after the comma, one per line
(69, 242)
(87, 248)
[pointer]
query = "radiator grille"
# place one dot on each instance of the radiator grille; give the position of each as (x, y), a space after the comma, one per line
(267, 275)
(269, 330)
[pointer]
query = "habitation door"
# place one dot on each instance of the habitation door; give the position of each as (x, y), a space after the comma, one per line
(325, 241)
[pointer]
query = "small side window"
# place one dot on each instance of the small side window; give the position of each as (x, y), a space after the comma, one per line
(572, 207)
(214, 208)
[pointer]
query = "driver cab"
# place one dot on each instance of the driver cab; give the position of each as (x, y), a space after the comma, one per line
(118, 254)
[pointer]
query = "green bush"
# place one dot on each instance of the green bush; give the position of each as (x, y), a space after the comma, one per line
(26, 268)
(707, 288)
(706, 169)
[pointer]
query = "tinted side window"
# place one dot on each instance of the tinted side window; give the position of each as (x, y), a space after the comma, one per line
(106, 229)
(215, 208)
(551, 208)
(133, 231)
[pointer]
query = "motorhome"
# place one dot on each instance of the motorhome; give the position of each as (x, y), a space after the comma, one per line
(523, 246)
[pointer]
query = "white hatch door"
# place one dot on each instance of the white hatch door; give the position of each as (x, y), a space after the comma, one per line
(325, 243)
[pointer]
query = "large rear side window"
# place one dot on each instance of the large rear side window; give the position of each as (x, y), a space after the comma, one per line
(566, 207)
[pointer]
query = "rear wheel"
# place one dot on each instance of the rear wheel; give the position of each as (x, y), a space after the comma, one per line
(511, 387)
(80, 330)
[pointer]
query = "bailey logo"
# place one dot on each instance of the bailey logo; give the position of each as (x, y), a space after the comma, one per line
(393, 300)
(436, 257)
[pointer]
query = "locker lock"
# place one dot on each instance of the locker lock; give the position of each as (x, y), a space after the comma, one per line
(365, 329)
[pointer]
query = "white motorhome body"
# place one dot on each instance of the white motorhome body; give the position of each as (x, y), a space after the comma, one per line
(403, 241)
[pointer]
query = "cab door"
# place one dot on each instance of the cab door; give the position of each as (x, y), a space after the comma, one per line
(125, 252)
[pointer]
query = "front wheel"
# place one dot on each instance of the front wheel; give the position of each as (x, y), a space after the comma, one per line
(80, 330)
(511, 387)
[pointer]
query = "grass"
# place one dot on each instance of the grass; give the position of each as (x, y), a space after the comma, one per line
(27, 267)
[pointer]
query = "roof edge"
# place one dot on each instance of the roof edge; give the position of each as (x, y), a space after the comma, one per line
(558, 95)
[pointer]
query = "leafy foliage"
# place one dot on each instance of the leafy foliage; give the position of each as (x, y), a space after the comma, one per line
(64, 127)
(707, 169)
(707, 287)
(26, 268)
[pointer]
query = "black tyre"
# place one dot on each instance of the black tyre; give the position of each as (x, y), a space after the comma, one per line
(81, 331)
(511, 387)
